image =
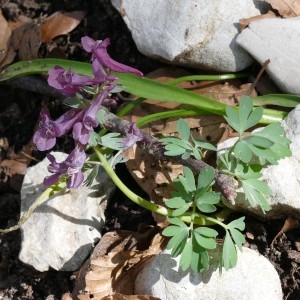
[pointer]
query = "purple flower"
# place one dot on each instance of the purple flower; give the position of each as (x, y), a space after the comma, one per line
(101, 58)
(133, 135)
(82, 130)
(69, 82)
(45, 137)
(71, 166)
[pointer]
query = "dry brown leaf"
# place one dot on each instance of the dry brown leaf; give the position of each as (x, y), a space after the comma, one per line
(245, 22)
(27, 40)
(12, 172)
(5, 34)
(286, 8)
(60, 23)
(115, 263)
(290, 223)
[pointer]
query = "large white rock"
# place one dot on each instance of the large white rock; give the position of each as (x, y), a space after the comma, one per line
(277, 40)
(254, 277)
(61, 232)
(197, 34)
(283, 178)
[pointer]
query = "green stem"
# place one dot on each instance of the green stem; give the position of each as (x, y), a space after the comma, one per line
(206, 77)
(178, 113)
(198, 219)
(40, 200)
(131, 195)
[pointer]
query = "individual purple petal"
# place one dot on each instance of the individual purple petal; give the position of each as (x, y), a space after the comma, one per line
(99, 50)
(133, 135)
(81, 132)
(75, 180)
(51, 179)
(66, 121)
(45, 137)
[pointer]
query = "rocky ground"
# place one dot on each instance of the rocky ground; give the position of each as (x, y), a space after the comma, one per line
(19, 111)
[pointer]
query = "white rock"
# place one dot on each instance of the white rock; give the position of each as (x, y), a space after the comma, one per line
(283, 178)
(197, 34)
(254, 277)
(277, 40)
(61, 232)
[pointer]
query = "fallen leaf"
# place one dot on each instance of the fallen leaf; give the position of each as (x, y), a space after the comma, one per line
(5, 34)
(60, 23)
(286, 8)
(12, 172)
(27, 40)
(290, 223)
(115, 263)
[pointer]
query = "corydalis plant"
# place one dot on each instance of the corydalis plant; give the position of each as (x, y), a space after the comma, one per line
(81, 120)
(195, 203)
(244, 161)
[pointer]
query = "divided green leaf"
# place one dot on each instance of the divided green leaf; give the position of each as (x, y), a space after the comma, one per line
(243, 117)
(256, 192)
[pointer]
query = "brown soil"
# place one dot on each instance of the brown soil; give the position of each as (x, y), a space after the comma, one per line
(19, 111)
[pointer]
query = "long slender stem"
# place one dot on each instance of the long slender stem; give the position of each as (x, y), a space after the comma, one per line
(131, 195)
(207, 77)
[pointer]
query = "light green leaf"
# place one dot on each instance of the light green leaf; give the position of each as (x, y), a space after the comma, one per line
(205, 242)
(186, 255)
(183, 129)
(204, 145)
(258, 141)
(171, 230)
(177, 242)
(188, 180)
(175, 202)
(244, 117)
(229, 254)
(180, 211)
(238, 238)
(112, 140)
(256, 192)
(177, 222)
(205, 177)
(206, 231)
(232, 117)
(206, 202)
(200, 258)
(238, 224)
(242, 151)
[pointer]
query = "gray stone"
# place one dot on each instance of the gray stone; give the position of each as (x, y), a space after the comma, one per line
(197, 34)
(278, 40)
(254, 277)
(62, 231)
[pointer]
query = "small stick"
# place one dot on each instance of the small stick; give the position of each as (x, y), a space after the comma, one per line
(263, 68)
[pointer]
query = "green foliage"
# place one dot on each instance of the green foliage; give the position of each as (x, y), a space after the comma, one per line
(193, 197)
(186, 145)
(194, 194)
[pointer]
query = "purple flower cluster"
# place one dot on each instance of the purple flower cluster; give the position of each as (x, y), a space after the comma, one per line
(80, 121)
